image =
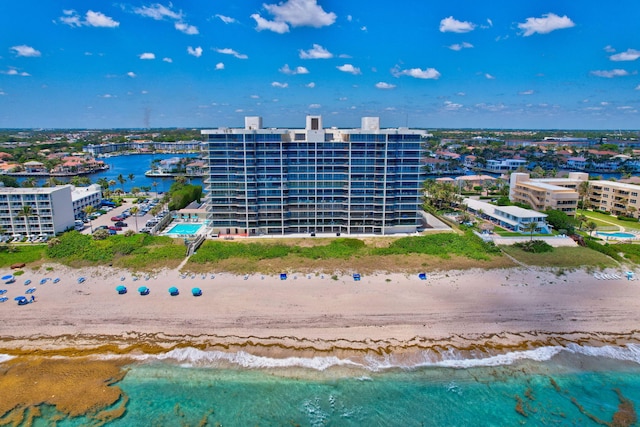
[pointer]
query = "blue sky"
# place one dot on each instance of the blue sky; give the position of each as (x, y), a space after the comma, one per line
(208, 63)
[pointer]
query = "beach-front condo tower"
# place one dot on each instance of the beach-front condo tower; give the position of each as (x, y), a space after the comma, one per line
(268, 181)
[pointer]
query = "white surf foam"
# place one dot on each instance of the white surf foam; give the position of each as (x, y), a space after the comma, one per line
(5, 357)
(246, 360)
(448, 359)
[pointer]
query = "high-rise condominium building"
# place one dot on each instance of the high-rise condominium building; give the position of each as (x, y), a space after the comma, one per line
(267, 181)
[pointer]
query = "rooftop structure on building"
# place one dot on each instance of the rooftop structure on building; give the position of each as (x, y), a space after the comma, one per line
(272, 181)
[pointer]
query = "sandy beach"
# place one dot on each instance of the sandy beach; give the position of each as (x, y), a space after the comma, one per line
(385, 312)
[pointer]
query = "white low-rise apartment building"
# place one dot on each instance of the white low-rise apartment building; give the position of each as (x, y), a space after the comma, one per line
(81, 197)
(511, 218)
(51, 210)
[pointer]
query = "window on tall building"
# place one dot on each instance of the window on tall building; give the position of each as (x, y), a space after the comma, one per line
(315, 123)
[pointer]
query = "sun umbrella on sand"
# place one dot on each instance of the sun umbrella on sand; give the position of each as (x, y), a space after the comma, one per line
(196, 292)
(121, 289)
(143, 290)
(8, 278)
(173, 291)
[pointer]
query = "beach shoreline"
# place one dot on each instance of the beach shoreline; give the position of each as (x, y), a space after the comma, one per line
(310, 315)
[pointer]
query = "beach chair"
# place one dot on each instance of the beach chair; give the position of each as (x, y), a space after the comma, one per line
(422, 276)
(356, 277)
(283, 276)
(56, 280)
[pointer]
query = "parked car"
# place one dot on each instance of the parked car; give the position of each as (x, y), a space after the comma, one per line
(115, 228)
(112, 232)
(117, 218)
(121, 224)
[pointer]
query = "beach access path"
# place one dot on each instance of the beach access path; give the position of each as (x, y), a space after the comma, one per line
(316, 311)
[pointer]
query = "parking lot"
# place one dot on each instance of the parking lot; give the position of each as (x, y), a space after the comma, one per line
(105, 220)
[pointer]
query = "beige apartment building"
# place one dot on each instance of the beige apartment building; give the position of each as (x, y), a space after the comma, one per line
(547, 193)
(617, 198)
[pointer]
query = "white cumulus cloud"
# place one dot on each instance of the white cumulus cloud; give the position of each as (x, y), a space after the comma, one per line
(348, 68)
(290, 71)
(452, 106)
(99, 19)
(526, 92)
(24, 50)
(460, 46)
(169, 60)
(610, 73)
(91, 19)
(220, 66)
(131, 74)
(629, 55)
(384, 85)
(157, 12)
(418, 73)
(265, 24)
(315, 106)
(316, 52)
(489, 76)
(147, 55)
(452, 25)
(197, 51)
(226, 19)
(548, 23)
(228, 51)
(638, 87)
(280, 85)
(186, 28)
(160, 12)
(295, 13)
(311, 85)
(14, 72)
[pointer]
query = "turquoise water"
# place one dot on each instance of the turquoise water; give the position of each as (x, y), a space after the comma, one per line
(550, 386)
(619, 235)
(184, 229)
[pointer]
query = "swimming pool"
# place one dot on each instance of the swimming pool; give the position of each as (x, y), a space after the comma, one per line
(617, 235)
(182, 229)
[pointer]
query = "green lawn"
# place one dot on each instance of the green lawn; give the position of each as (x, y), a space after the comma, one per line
(562, 257)
(600, 219)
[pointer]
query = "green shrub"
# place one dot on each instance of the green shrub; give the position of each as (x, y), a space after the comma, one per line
(534, 246)
(605, 249)
(627, 218)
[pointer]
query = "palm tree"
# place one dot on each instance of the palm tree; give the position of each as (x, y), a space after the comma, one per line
(134, 212)
(88, 210)
(581, 218)
(29, 182)
(131, 178)
(121, 179)
(531, 228)
(103, 182)
(591, 227)
(155, 187)
(583, 191)
(25, 212)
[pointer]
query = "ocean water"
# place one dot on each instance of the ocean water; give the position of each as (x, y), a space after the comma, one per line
(550, 386)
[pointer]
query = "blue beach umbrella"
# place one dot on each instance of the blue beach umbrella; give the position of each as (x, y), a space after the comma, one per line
(21, 297)
(27, 282)
(121, 289)
(81, 279)
(3, 299)
(3, 291)
(143, 290)
(8, 278)
(30, 291)
(173, 291)
(43, 281)
(196, 292)
(56, 280)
